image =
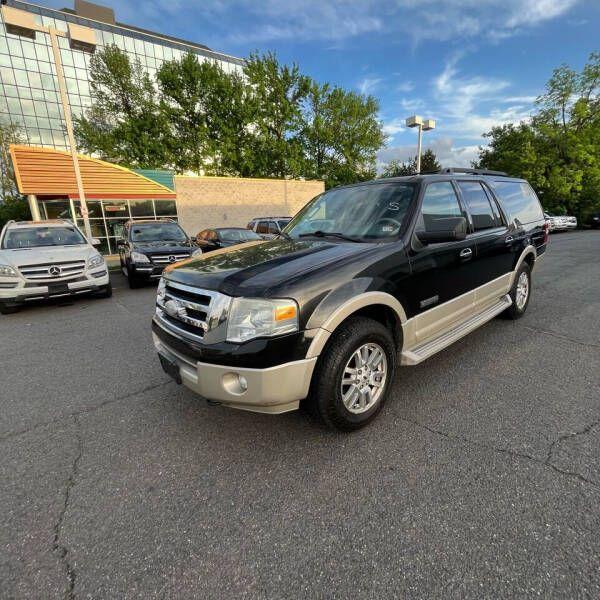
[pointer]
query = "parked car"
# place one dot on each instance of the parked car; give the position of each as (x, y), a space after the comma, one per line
(268, 227)
(148, 246)
(367, 276)
(48, 259)
(595, 220)
(224, 237)
(560, 222)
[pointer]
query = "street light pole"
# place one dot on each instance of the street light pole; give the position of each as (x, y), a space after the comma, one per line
(419, 148)
(64, 99)
(423, 125)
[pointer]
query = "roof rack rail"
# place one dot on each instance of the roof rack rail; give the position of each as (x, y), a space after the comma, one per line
(472, 171)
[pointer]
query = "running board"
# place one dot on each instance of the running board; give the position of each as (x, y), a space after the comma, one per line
(419, 353)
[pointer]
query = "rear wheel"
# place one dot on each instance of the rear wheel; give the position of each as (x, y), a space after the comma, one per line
(519, 293)
(353, 375)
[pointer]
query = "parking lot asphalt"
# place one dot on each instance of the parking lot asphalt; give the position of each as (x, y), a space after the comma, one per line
(479, 479)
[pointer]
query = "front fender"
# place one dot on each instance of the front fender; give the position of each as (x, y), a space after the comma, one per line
(340, 303)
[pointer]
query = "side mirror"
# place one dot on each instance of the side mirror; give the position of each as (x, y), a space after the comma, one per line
(95, 242)
(445, 229)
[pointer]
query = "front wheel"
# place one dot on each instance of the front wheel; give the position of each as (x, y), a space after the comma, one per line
(353, 375)
(519, 293)
(9, 309)
(105, 292)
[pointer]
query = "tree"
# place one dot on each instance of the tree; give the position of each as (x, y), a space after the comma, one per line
(558, 152)
(278, 91)
(429, 164)
(12, 203)
(341, 134)
(124, 123)
(209, 114)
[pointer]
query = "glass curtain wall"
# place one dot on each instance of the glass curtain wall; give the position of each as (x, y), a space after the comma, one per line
(28, 87)
(108, 216)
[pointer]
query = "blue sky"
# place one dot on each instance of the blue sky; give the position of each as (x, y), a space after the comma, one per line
(470, 64)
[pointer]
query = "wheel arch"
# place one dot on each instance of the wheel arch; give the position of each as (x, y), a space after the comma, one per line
(528, 255)
(379, 306)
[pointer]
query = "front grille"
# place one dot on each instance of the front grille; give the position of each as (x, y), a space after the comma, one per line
(53, 271)
(165, 259)
(192, 312)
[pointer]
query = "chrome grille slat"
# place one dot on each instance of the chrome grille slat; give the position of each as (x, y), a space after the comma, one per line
(161, 259)
(40, 271)
(212, 305)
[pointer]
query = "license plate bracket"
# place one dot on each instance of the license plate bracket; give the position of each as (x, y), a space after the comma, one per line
(58, 288)
(170, 367)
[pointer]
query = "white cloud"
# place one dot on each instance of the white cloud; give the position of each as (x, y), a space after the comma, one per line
(448, 154)
(368, 85)
(393, 126)
(251, 22)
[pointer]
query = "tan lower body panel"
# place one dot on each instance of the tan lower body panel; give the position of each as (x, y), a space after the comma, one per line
(437, 322)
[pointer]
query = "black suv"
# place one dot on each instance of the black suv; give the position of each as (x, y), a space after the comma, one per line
(364, 277)
(147, 247)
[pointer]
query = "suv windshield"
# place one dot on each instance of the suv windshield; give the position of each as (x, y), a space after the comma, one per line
(157, 232)
(366, 212)
(37, 237)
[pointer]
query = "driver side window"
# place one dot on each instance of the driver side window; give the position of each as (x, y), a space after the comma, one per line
(439, 202)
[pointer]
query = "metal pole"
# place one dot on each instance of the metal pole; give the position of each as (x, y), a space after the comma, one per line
(68, 121)
(419, 149)
(34, 207)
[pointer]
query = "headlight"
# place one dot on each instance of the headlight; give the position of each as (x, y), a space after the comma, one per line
(138, 257)
(197, 252)
(8, 271)
(254, 317)
(95, 261)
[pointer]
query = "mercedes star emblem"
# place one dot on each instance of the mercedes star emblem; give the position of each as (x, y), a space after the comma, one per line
(171, 258)
(54, 271)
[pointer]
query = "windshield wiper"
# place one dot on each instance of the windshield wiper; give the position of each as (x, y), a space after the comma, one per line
(335, 234)
(285, 235)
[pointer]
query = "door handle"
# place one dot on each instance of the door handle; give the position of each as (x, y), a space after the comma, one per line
(466, 253)
(508, 239)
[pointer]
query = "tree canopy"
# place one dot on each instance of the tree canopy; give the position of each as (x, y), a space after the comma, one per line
(396, 168)
(558, 151)
(12, 204)
(267, 120)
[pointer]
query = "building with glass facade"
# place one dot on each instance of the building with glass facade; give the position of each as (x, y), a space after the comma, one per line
(29, 97)
(30, 100)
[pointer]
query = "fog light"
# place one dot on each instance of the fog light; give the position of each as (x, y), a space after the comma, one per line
(235, 384)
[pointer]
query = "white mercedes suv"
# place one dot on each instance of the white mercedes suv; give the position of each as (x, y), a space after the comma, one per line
(47, 259)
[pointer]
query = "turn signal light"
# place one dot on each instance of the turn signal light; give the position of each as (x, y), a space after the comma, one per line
(282, 313)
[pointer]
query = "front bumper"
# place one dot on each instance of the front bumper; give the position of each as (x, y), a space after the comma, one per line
(147, 270)
(271, 390)
(26, 290)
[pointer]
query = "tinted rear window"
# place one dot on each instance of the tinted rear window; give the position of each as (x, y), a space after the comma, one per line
(519, 200)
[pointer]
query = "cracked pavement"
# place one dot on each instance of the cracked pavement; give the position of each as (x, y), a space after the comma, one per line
(480, 478)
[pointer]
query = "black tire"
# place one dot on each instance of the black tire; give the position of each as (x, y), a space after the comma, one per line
(325, 398)
(9, 309)
(133, 280)
(105, 292)
(517, 310)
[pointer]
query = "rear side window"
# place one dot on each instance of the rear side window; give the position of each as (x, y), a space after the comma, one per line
(519, 200)
(479, 205)
(262, 227)
(439, 202)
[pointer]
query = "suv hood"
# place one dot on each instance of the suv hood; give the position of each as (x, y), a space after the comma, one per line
(19, 257)
(251, 269)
